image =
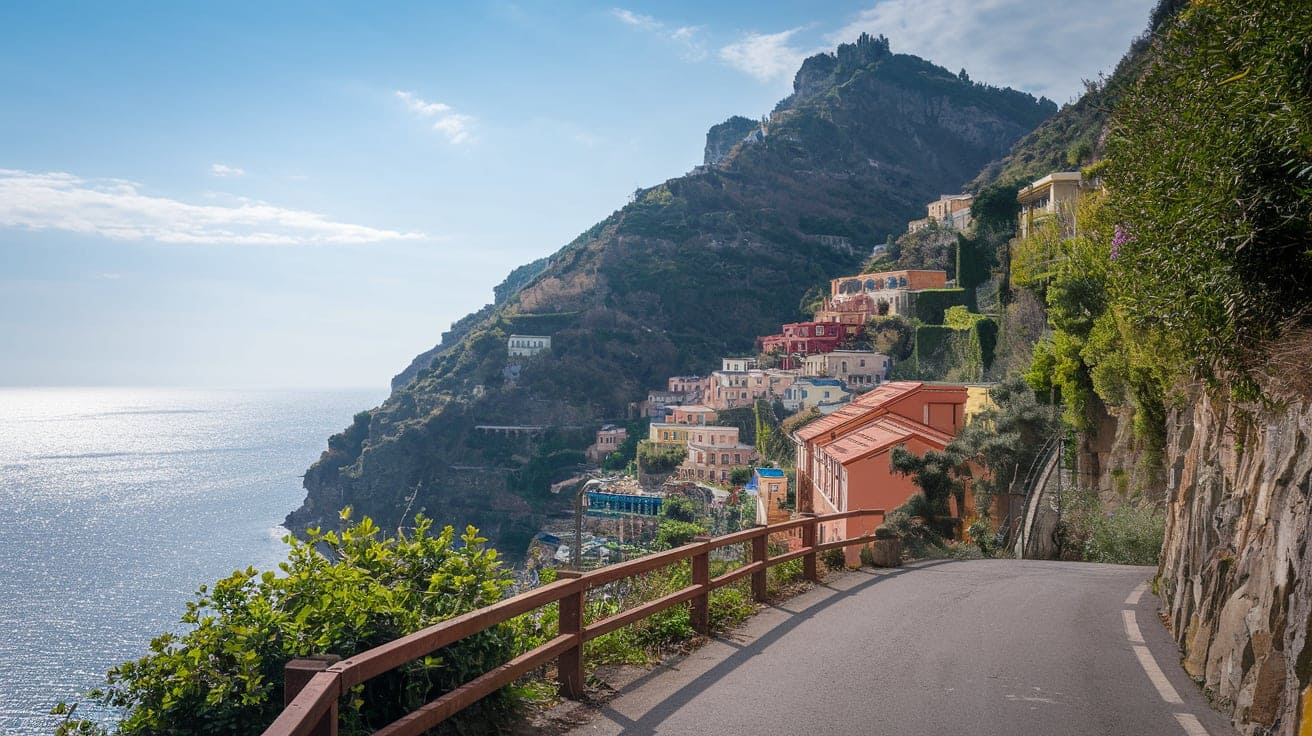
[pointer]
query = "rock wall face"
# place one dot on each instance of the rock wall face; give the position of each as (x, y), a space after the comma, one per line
(1235, 566)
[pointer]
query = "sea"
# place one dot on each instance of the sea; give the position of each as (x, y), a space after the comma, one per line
(116, 504)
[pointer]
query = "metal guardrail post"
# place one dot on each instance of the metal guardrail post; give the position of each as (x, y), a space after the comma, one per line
(297, 673)
(760, 552)
(570, 663)
(700, 614)
(809, 568)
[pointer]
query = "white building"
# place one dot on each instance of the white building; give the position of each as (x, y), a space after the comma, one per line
(522, 345)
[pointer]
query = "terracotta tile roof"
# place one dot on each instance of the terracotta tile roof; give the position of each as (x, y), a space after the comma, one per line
(881, 434)
(869, 404)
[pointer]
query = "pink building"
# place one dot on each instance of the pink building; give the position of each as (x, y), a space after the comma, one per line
(695, 414)
(609, 438)
(806, 338)
(732, 389)
(713, 452)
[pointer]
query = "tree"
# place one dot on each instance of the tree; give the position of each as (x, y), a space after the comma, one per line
(937, 473)
(680, 508)
(740, 476)
(225, 675)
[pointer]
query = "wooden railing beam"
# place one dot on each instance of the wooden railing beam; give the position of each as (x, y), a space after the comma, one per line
(700, 613)
(760, 553)
(810, 570)
(570, 662)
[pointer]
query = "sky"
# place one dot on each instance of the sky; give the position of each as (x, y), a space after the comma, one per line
(306, 194)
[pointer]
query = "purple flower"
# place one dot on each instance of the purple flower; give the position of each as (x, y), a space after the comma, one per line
(1119, 238)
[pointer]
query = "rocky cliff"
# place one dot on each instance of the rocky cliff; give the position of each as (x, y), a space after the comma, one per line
(692, 269)
(1236, 565)
(721, 139)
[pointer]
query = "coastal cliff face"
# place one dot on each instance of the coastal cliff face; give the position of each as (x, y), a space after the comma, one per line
(1235, 564)
(690, 270)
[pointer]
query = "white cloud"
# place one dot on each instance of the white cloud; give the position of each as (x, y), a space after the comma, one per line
(687, 38)
(456, 127)
(118, 210)
(1041, 48)
(634, 19)
(223, 170)
(767, 56)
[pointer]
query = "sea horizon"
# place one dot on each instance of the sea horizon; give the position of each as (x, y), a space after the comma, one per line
(124, 500)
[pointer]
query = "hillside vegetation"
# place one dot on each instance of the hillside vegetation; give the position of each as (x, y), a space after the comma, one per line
(692, 269)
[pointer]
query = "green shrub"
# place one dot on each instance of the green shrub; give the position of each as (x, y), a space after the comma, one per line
(930, 304)
(1131, 534)
(671, 533)
(225, 675)
(1211, 186)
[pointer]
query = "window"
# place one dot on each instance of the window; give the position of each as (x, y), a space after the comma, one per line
(724, 458)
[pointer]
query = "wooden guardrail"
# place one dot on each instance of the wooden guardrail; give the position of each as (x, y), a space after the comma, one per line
(313, 686)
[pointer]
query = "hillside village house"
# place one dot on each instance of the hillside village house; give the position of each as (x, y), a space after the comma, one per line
(713, 452)
(1055, 195)
(732, 389)
(805, 338)
(738, 365)
(525, 345)
(608, 440)
(658, 403)
(949, 210)
(855, 299)
(856, 368)
(693, 388)
(662, 433)
(695, 414)
(844, 459)
(823, 394)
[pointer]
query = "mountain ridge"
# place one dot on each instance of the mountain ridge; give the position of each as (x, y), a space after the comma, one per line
(692, 269)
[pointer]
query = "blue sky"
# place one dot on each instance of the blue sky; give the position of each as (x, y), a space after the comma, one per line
(308, 193)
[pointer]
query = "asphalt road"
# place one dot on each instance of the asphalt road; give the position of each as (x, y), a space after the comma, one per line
(976, 648)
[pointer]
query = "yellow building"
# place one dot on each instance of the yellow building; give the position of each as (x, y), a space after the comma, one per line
(1055, 195)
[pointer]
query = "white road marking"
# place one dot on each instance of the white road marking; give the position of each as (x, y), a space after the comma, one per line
(1155, 674)
(1132, 627)
(1189, 722)
(1136, 594)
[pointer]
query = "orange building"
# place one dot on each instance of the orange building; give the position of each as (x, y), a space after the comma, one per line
(844, 459)
(855, 299)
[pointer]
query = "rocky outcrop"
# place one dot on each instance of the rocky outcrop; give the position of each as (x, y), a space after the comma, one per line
(722, 138)
(1235, 568)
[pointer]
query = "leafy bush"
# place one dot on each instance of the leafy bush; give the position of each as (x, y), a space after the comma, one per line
(655, 458)
(1211, 182)
(672, 533)
(1130, 534)
(225, 675)
(930, 304)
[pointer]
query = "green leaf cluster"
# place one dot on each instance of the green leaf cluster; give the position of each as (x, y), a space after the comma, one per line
(338, 593)
(1211, 175)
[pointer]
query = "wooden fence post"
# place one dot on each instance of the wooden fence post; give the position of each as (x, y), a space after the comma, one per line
(809, 570)
(700, 615)
(570, 663)
(760, 553)
(297, 673)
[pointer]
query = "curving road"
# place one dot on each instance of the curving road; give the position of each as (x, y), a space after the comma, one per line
(976, 647)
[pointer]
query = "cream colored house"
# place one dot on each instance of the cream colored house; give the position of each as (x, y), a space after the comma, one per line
(525, 345)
